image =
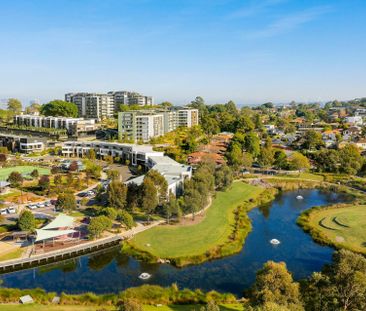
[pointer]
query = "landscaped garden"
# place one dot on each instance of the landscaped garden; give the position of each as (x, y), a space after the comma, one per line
(177, 241)
(343, 227)
(24, 170)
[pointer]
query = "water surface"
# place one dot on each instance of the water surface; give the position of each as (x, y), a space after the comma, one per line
(111, 271)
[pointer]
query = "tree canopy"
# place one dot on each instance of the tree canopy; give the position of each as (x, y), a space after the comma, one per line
(59, 108)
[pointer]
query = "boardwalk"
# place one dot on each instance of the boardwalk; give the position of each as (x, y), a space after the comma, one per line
(72, 251)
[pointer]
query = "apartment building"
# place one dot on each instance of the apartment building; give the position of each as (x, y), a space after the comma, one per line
(100, 106)
(131, 98)
(145, 124)
(93, 105)
(140, 125)
(74, 126)
(144, 155)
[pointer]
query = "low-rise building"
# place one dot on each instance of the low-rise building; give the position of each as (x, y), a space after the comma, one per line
(174, 172)
(354, 120)
(74, 126)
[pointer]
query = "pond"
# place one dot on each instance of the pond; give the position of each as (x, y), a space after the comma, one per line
(111, 271)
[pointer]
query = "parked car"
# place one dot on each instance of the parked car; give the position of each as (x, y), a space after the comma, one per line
(3, 211)
(40, 205)
(12, 210)
(32, 206)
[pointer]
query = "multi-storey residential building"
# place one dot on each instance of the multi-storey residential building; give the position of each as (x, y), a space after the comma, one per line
(93, 105)
(131, 98)
(140, 125)
(74, 126)
(100, 106)
(145, 124)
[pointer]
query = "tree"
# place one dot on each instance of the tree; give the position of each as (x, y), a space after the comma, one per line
(351, 160)
(117, 193)
(44, 182)
(34, 173)
(33, 108)
(150, 198)
(274, 284)
(91, 155)
(266, 157)
(15, 179)
(299, 162)
(126, 218)
(160, 184)
(59, 108)
(166, 104)
(14, 105)
(313, 140)
(111, 213)
(66, 201)
(340, 286)
(133, 196)
(170, 207)
(54, 170)
(26, 221)
(113, 174)
(73, 166)
(280, 160)
(223, 177)
(247, 159)
(98, 225)
(252, 144)
(108, 159)
(235, 155)
(93, 169)
(191, 198)
(57, 180)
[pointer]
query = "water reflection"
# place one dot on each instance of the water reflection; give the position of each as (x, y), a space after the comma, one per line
(111, 271)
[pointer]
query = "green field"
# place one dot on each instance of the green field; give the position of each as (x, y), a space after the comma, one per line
(192, 240)
(24, 170)
(37, 307)
(344, 227)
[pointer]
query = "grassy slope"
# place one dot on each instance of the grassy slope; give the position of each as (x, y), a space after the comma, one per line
(180, 241)
(354, 217)
(5, 172)
(37, 307)
(11, 255)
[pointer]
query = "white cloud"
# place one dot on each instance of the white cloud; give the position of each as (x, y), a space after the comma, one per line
(290, 22)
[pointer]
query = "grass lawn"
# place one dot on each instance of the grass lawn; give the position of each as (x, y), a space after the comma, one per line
(224, 307)
(308, 176)
(11, 255)
(37, 307)
(344, 226)
(180, 241)
(5, 172)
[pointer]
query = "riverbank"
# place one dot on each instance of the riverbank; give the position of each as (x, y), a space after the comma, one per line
(221, 233)
(147, 295)
(339, 225)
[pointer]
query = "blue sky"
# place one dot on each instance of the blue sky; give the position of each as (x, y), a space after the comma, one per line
(248, 51)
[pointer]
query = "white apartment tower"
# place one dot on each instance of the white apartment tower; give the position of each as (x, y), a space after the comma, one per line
(99, 106)
(143, 125)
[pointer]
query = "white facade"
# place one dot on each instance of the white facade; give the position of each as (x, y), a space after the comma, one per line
(146, 124)
(72, 125)
(93, 105)
(355, 120)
